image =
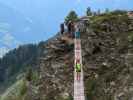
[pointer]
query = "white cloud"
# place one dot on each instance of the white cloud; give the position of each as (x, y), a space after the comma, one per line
(27, 29)
(78, 1)
(4, 27)
(7, 39)
(3, 51)
(29, 20)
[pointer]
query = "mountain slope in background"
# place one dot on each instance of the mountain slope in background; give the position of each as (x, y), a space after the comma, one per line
(107, 52)
(20, 60)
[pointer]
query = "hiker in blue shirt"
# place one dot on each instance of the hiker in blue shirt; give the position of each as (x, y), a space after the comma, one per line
(77, 33)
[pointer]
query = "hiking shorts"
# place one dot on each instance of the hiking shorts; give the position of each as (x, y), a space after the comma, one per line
(78, 70)
(77, 35)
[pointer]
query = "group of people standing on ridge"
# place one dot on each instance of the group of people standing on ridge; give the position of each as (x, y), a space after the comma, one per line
(73, 29)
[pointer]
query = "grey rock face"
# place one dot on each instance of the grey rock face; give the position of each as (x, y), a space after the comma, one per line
(108, 65)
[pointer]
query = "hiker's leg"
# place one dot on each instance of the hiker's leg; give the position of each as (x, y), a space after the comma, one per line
(77, 75)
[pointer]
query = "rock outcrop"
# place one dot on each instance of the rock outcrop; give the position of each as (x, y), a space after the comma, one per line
(107, 52)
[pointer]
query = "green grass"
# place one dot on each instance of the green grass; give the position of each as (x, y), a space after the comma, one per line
(16, 91)
(113, 19)
(91, 85)
(130, 37)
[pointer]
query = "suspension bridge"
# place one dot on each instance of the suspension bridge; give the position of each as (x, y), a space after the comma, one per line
(78, 83)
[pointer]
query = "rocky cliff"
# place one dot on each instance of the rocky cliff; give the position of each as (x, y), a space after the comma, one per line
(107, 50)
(107, 61)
